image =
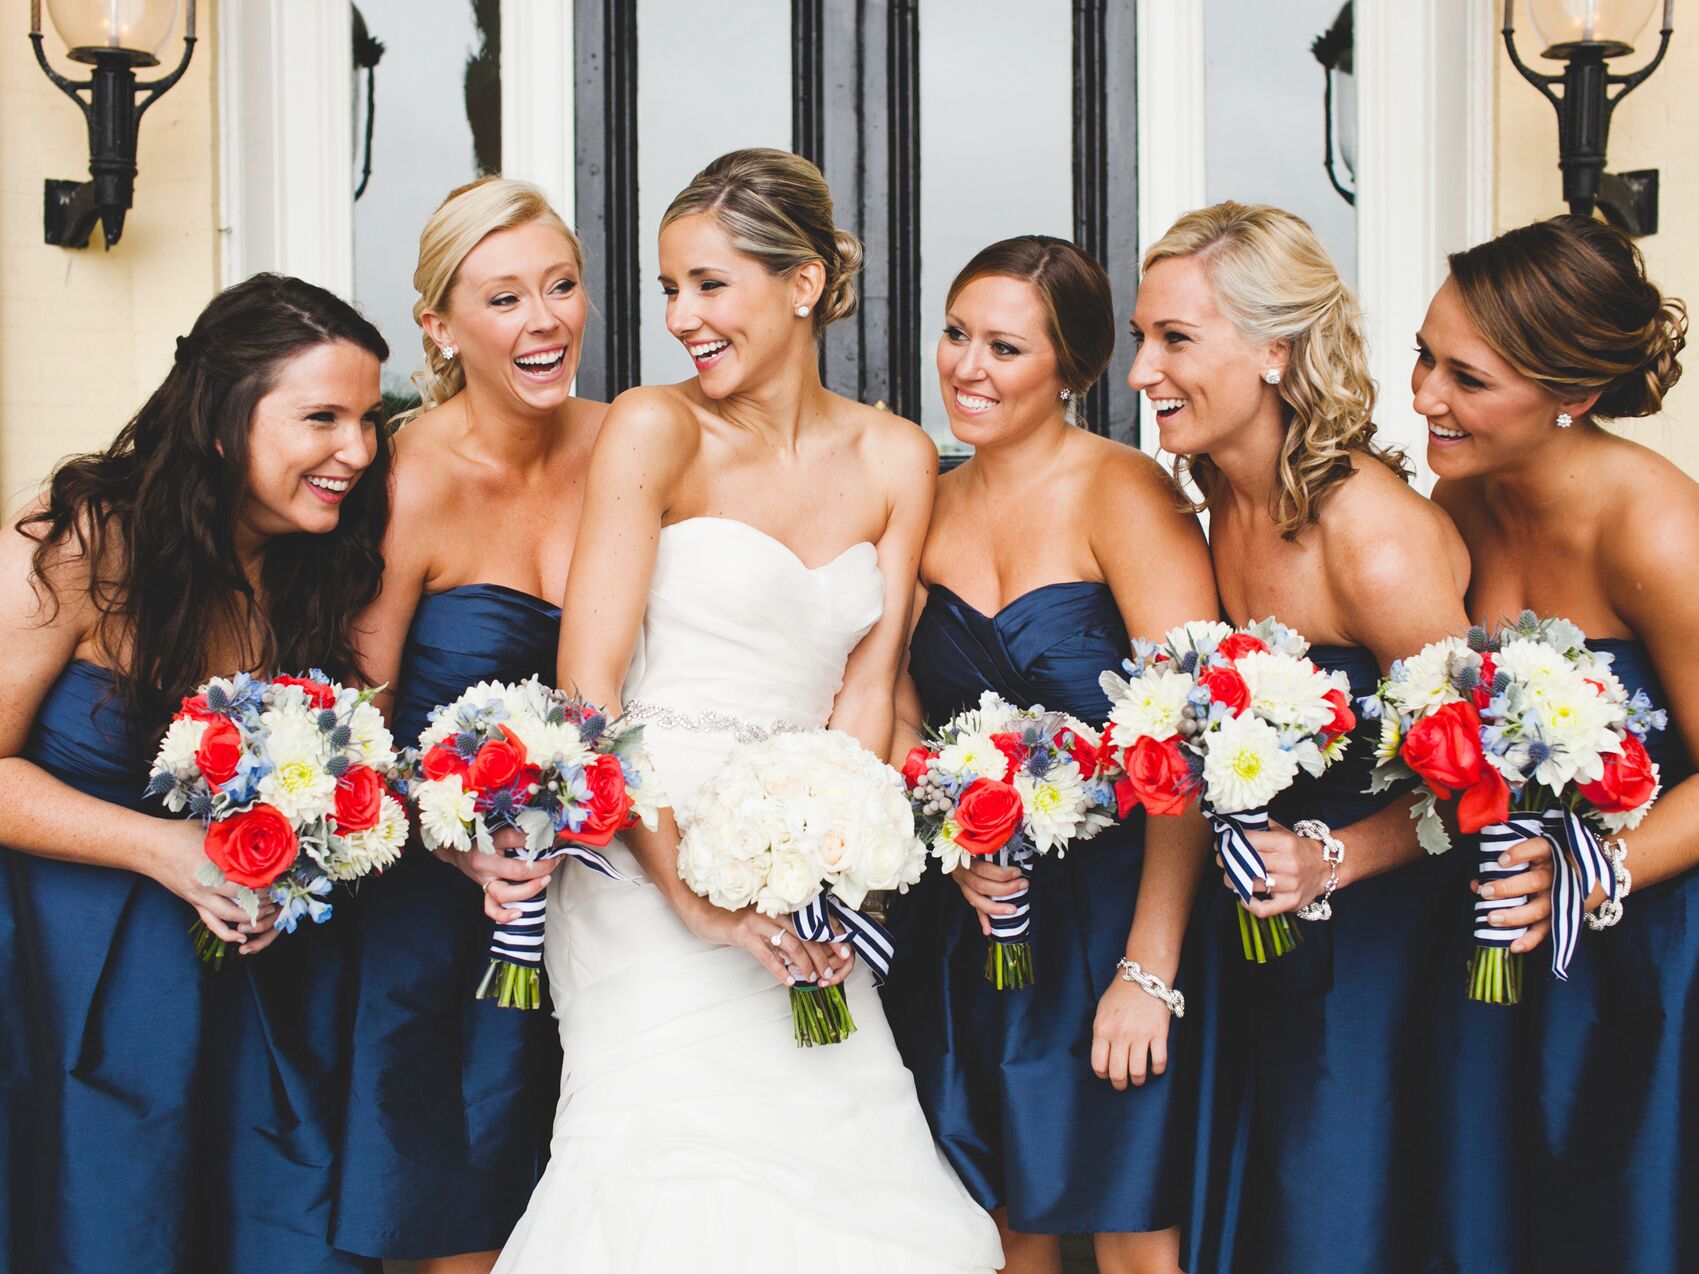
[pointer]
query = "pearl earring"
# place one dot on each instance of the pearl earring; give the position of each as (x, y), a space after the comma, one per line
(448, 352)
(1272, 376)
(802, 311)
(1564, 420)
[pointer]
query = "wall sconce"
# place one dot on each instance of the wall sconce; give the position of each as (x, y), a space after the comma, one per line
(115, 37)
(1584, 33)
(1335, 50)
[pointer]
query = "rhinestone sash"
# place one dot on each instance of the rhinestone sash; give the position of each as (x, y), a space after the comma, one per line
(709, 721)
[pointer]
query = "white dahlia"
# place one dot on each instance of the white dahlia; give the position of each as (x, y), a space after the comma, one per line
(1245, 767)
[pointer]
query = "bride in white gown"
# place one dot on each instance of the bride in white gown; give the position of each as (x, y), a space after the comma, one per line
(745, 565)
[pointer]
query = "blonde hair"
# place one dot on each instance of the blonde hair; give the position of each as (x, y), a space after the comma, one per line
(777, 208)
(1276, 283)
(469, 215)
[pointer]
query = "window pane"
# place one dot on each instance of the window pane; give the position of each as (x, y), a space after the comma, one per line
(996, 146)
(705, 84)
(438, 73)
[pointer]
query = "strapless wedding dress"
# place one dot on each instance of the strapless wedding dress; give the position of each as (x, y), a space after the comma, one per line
(692, 1133)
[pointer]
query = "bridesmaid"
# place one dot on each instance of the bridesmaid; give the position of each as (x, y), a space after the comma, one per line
(1311, 1115)
(448, 1116)
(1536, 337)
(178, 1120)
(1065, 543)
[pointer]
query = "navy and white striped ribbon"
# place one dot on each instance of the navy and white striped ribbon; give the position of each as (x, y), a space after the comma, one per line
(1245, 867)
(521, 941)
(1014, 927)
(1575, 875)
(872, 943)
(1495, 839)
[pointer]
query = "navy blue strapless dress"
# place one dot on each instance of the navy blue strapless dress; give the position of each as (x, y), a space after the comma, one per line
(452, 1098)
(177, 1120)
(1614, 1148)
(1317, 1148)
(1005, 1078)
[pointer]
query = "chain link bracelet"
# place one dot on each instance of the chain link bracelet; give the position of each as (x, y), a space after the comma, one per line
(1610, 910)
(1152, 985)
(1332, 853)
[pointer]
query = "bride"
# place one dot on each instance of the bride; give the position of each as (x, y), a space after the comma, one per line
(745, 565)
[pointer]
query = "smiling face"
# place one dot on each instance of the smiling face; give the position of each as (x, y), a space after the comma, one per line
(1203, 376)
(515, 316)
(310, 437)
(996, 364)
(1483, 415)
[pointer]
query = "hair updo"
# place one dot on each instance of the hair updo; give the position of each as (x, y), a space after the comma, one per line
(1567, 303)
(1079, 309)
(777, 208)
(1273, 279)
(470, 214)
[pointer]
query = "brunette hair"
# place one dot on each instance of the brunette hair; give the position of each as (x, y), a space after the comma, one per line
(152, 518)
(1275, 281)
(777, 208)
(1079, 310)
(1567, 303)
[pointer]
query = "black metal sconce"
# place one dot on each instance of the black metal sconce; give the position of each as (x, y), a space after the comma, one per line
(1585, 33)
(115, 39)
(368, 52)
(1334, 49)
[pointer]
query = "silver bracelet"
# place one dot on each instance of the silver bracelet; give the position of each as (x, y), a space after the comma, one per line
(1332, 853)
(1610, 910)
(1152, 985)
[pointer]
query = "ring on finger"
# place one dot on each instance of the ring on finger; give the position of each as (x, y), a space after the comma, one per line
(778, 937)
(488, 883)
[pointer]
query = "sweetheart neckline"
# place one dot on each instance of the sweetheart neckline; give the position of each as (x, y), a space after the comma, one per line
(775, 541)
(997, 614)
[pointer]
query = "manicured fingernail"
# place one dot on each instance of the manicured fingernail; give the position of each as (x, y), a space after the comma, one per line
(843, 952)
(789, 981)
(1487, 891)
(1504, 860)
(1495, 919)
(244, 949)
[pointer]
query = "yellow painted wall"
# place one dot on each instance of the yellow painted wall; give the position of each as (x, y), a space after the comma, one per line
(1656, 126)
(86, 335)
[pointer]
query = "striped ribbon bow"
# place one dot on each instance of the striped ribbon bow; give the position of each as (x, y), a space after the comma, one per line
(520, 941)
(1578, 866)
(1244, 865)
(813, 923)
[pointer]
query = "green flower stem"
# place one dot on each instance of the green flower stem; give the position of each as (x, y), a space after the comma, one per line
(209, 948)
(1495, 976)
(1008, 965)
(511, 986)
(820, 1015)
(1269, 939)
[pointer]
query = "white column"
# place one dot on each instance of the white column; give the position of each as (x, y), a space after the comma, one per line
(537, 136)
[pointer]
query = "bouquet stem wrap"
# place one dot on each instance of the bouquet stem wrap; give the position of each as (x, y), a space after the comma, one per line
(512, 979)
(1263, 939)
(820, 1015)
(1008, 960)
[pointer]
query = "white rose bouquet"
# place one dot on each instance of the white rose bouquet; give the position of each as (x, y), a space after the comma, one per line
(804, 825)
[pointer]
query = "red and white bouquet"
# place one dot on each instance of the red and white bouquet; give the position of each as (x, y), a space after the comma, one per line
(527, 756)
(1535, 736)
(1008, 784)
(804, 825)
(291, 777)
(1227, 717)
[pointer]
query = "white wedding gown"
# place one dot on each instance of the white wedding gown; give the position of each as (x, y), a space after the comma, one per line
(692, 1133)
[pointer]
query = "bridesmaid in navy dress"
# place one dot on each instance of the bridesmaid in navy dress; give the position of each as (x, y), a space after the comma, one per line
(171, 1118)
(1046, 549)
(1314, 1103)
(452, 1097)
(1538, 336)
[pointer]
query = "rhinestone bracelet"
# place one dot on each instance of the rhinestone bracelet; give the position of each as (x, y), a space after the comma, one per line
(1332, 853)
(1610, 910)
(1152, 985)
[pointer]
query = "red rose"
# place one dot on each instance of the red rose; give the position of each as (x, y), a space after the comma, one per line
(1241, 644)
(253, 848)
(988, 813)
(220, 750)
(1445, 748)
(1488, 801)
(1344, 720)
(195, 708)
(610, 808)
(1227, 688)
(499, 763)
(318, 694)
(1013, 750)
(359, 799)
(1484, 686)
(1159, 776)
(1627, 783)
(914, 766)
(1076, 745)
(443, 760)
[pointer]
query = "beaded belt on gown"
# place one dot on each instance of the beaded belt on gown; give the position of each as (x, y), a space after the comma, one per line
(708, 721)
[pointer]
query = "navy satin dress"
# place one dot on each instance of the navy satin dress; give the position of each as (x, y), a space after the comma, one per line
(1614, 1147)
(167, 1117)
(1005, 1077)
(452, 1098)
(1321, 1145)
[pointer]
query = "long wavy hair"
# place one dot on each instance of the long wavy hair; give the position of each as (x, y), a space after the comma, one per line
(151, 520)
(1276, 283)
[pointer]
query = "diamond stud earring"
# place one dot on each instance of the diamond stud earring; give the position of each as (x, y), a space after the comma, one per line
(1272, 376)
(448, 352)
(1564, 420)
(802, 311)
(1067, 395)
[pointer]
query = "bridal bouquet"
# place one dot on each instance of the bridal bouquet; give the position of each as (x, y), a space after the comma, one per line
(804, 825)
(1008, 784)
(291, 778)
(1227, 717)
(1535, 736)
(530, 757)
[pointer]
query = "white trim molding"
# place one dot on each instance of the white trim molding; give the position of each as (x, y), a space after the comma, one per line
(538, 142)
